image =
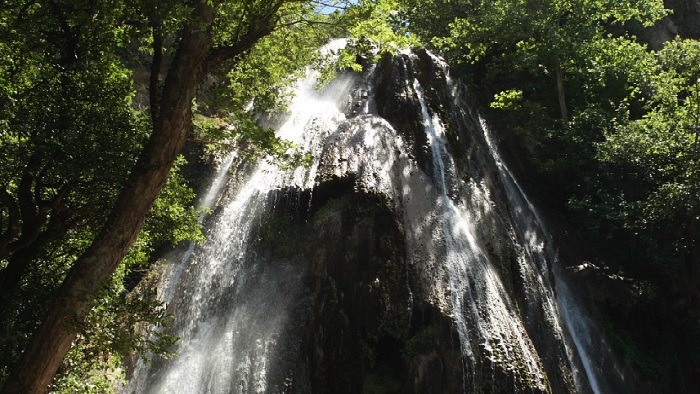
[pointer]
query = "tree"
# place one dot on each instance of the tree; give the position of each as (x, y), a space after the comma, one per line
(535, 36)
(195, 39)
(68, 138)
(660, 153)
(53, 145)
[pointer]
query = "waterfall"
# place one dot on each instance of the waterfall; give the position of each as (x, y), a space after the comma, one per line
(229, 310)
(405, 258)
(577, 325)
(478, 297)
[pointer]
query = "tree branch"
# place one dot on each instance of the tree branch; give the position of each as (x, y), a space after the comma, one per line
(221, 54)
(25, 194)
(13, 222)
(156, 65)
(52, 340)
(260, 26)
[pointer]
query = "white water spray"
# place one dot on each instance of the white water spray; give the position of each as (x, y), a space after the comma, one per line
(479, 299)
(235, 313)
(231, 311)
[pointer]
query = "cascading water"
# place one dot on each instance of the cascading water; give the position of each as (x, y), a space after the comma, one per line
(230, 310)
(482, 309)
(534, 237)
(409, 227)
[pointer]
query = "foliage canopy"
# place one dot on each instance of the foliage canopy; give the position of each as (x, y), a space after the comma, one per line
(86, 90)
(97, 99)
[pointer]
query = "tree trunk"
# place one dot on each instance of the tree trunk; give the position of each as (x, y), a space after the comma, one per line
(562, 96)
(194, 58)
(18, 263)
(40, 361)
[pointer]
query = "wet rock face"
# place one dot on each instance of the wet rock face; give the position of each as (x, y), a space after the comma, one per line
(683, 22)
(377, 234)
(473, 185)
(365, 330)
(409, 261)
(397, 103)
(686, 16)
(623, 305)
(361, 292)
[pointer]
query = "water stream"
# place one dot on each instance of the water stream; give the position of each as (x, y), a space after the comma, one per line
(476, 248)
(229, 310)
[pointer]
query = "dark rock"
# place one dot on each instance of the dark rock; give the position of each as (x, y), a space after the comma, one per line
(396, 102)
(365, 331)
